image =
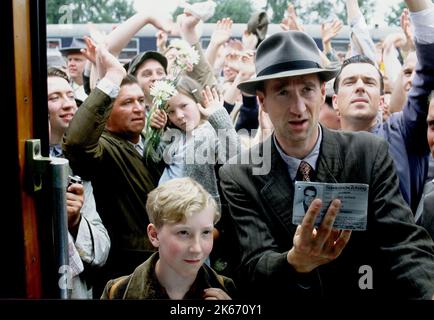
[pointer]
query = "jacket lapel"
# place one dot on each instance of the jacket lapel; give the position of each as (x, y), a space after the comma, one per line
(278, 189)
(329, 164)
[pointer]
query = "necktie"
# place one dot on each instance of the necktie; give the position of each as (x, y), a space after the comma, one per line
(56, 151)
(304, 172)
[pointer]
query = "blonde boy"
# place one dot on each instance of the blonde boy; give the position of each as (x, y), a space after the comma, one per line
(182, 215)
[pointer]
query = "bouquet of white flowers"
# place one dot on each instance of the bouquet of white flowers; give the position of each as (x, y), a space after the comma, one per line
(186, 56)
(161, 91)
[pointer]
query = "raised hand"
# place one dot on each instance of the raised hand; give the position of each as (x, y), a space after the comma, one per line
(222, 31)
(188, 23)
(162, 25)
(161, 40)
(108, 66)
(212, 101)
(406, 27)
(90, 51)
(291, 21)
(249, 40)
(329, 30)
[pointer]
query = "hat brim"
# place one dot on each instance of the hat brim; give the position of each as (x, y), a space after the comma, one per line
(250, 86)
(67, 51)
(135, 63)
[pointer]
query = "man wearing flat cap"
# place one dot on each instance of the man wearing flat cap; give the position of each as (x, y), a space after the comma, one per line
(76, 62)
(279, 260)
(147, 67)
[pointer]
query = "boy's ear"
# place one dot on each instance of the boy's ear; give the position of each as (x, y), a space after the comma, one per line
(153, 235)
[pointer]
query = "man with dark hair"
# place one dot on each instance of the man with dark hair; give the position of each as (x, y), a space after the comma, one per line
(309, 195)
(327, 115)
(282, 261)
(359, 98)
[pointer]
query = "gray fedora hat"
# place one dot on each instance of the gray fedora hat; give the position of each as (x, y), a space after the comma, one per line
(75, 47)
(286, 54)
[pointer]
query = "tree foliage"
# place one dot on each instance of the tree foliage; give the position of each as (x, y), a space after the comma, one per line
(83, 11)
(316, 11)
(238, 10)
(393, 18)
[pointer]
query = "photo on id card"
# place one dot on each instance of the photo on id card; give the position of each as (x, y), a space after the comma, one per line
(353, 214)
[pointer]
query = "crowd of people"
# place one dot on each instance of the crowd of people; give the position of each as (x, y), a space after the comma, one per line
(189, 158)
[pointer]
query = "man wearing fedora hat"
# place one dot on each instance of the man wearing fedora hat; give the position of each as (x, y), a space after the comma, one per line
(76, 62)
(281, 260)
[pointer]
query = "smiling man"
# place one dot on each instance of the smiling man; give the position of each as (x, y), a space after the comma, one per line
(88, 239)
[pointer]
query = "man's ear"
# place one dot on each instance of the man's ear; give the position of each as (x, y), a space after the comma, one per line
(323, 91)
(335, 104)
(153, 235)
(382, 102)
(261, 98)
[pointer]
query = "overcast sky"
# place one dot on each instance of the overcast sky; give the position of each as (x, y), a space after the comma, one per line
(164, 8)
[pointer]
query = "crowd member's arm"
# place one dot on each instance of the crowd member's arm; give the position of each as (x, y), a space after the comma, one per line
(249, 40)
(122, 34)
(410, 125)
(229, 143)
(202, 71)
(89, 73)
(161, 41)
(81, 143)
(244, 64)
(360, 39)
(221, 34)
(415, 111)
(392, 66)
(92, 240)
(291, 22)
(406, 28)
(329, 30)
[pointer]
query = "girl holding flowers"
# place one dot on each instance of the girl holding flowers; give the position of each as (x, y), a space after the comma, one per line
(200, 133)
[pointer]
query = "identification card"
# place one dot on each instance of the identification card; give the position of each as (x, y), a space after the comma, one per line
(353, 214)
